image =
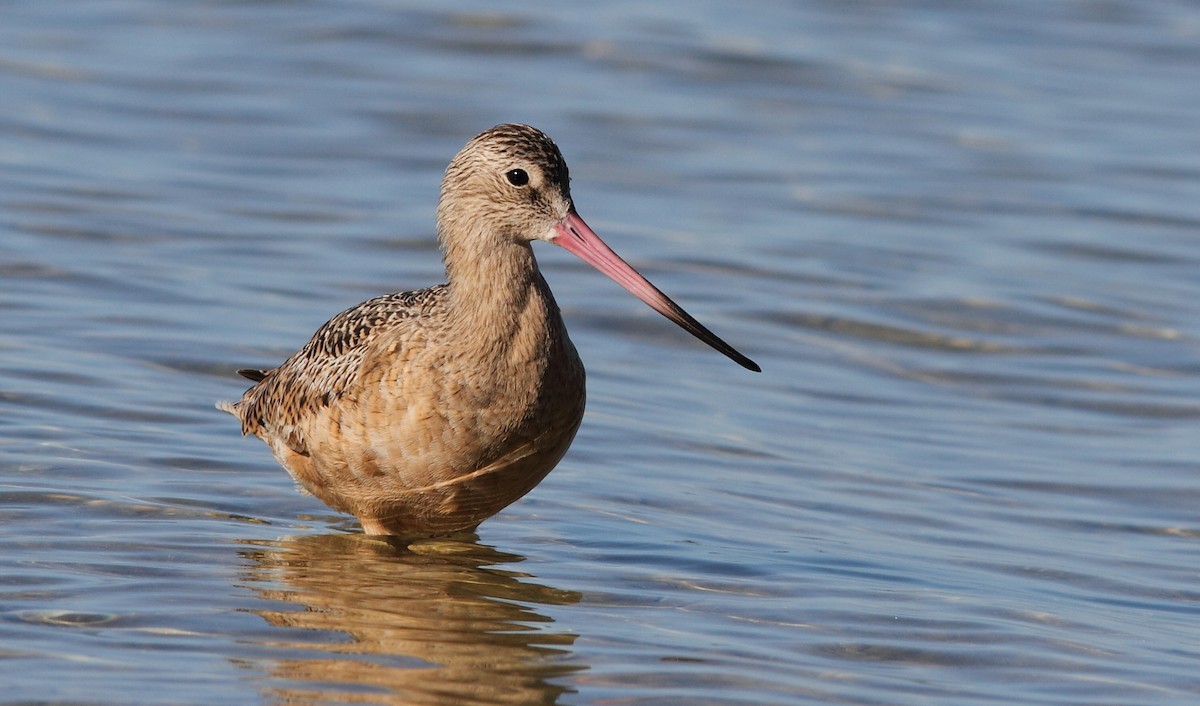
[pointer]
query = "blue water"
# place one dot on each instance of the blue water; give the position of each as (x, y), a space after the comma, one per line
(962, 240)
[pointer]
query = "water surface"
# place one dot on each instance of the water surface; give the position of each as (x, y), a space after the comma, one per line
(960, 239)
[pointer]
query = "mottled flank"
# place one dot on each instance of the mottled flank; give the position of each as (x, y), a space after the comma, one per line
(322, 371)
(429, 411)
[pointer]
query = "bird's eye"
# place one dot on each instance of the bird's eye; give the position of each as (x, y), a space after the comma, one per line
(517, 177)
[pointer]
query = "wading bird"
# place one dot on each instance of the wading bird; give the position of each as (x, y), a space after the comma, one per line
(431, 410)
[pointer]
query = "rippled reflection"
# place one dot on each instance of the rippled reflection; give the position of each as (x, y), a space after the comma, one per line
(433, 622)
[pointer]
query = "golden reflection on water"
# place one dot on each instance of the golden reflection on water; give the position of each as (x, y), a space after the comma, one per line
(432, 622)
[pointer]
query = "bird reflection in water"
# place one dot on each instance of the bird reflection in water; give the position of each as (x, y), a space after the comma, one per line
(434, 622)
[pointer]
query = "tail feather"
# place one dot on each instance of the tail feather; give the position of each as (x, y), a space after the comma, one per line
(236, 408)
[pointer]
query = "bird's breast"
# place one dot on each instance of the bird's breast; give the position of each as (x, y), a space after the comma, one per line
(431, 409)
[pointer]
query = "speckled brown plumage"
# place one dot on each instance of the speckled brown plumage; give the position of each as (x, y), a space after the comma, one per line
(322, 372)
(431, 410)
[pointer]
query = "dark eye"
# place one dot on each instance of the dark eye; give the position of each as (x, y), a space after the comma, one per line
(517, 177)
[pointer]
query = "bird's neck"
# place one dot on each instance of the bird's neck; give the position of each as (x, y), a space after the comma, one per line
(500, 302)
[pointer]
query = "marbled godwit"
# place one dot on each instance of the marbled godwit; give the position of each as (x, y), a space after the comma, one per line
(431, 410)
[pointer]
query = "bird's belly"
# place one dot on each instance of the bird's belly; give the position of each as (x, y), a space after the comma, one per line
(411, 466)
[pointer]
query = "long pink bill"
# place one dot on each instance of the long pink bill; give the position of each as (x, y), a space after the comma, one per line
(575, 236)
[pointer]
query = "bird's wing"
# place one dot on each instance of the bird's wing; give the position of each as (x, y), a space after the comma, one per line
(326, 367)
